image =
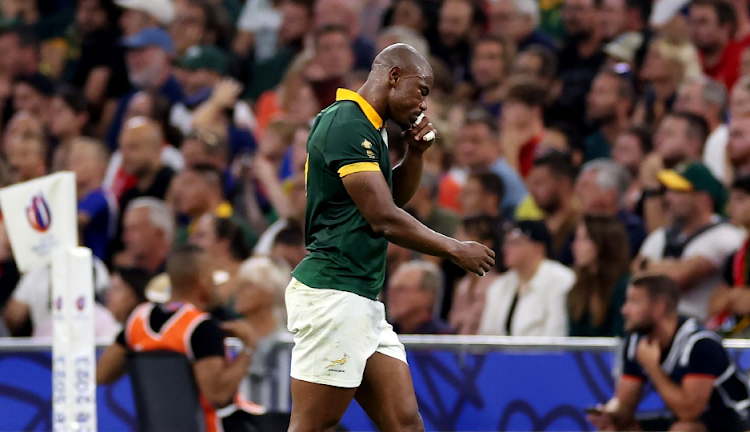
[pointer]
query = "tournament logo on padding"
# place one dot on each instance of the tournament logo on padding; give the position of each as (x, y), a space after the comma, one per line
(38, 213)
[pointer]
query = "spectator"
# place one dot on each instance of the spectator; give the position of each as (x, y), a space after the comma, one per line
(712, 27)
(27, 157)
(20, 50)
(127, 290)
(148, 59)
(738, 149)
(538, 63)
(482, 195)
(519, 21)
(739, 100)
(701, 391)
(346, 13)
(478, 149)
(551, 185)
(200, 339)
(295, 215)
(694, 246)
(602, 271)
(148, 234)
(581, 57)
(608, 106)
(491, 61)
(412, 14)
(601, 189)
(289, 246)
(469, 296)
(402, 34)
(138, 15)
(97, 207)
(522, 123)
(258, 30)
(332, 63)
(260, 295)
(612, 18)
(708, 99)
(199, 22)
(424, 206)
(32, 93)
(528, 299)
(224, 241)
(457, 30)
(69, 123)
(413, 302)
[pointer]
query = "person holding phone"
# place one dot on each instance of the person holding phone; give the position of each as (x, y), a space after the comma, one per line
(700, 384)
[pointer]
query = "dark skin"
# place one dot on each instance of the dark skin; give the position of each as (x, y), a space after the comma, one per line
(396, 88)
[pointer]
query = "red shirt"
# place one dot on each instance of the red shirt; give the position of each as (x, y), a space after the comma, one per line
(727, 70)
(528, 153)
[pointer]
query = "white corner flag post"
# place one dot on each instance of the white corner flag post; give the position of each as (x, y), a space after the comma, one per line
(42, 223)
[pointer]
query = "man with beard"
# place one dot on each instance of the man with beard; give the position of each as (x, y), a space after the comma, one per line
(699, 382)
(693, 247)
(712, 28)
(738, 149)
(608, 106)
(490, 65)
(580, 60)
(457, 27)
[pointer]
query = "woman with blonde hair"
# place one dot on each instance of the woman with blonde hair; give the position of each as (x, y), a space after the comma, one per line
(260, 295)
(602, 259)
(666, 66)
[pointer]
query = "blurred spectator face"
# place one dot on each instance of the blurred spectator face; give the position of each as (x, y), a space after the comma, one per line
(133, 21)
(527, 64)
(517, 114)
(475, 146)
(145, 65)
(304, 105)
(339, 12)
(680, 205)
(140, 105)
(193, 194)
(745, 62)
(193, 151)
(199, 79)
(27, 98)
(22, 124)
(655, 66)
(90, 16)
(602, 99)
(455, 21)
(405, 295)
(579, 18)
(669, 140)
(408, 13)
(87, 164)
(205, 236)
(739, 207)
(503, 18)
(705, 30)
(593, 199)
(628, 152)
(252, 298)
(26, 158)
(584, 249)
(188, 27)
(487, 65)
(141, 150)
(10, 54)
(738, 147)
(690, 98)
(334, 50)
(739, 101)
(472, 197)
(295, 22)
(65, 122)
(545, 188)
(612, 18)
(121, 298)
(517, 249)
(272, 145)
(638, 311)
(138, 233)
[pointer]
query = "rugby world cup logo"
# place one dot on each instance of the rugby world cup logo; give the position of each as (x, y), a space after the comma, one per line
(38, 214)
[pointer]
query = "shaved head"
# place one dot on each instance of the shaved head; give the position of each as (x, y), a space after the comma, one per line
(141, 141)
(402, 56)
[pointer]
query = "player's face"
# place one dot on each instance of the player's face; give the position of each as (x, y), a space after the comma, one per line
(408, 94)
(638, 311)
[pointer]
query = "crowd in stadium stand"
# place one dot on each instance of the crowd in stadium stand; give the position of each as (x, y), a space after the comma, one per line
(585, 141)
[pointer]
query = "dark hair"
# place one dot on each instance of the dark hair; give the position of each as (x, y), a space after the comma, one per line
(697, 126)
(161, 109)
(643, 134)
(527, 91)
(559, 164)
(742, 183)
(576, 141)
(25, 33)
(491, 183)
(136, 278)
(112, 11)
(625, 88)
(724, 11)
(508, 49)
(486, 227)
(208, 173)
(480, 115)
(227, 229)
(291, 235)
(643, 7)
(217, 21)
(659, 287)
(73, 98)
(598, 280)
(183, 267)
(329, 28)
(548, 60)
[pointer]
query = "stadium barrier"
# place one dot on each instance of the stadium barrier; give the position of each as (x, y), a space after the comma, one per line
(463, 383)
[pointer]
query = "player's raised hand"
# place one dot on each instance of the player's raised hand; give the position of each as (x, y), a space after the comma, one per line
(421, 135)
(474, 257)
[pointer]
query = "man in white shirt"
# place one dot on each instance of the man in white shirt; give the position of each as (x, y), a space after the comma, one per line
(530, 299)
(692, 249)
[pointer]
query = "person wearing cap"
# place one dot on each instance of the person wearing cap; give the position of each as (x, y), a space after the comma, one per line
(148, 58)
(138, 15)
(608, 105)
(530, 298)
(693, 248)
(729, 310)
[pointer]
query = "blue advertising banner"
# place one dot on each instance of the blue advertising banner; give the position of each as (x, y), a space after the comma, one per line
(498, 391)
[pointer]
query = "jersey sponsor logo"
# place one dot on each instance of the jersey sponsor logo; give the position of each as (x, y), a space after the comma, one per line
(335, 363)
(367, 145)
(38, 214)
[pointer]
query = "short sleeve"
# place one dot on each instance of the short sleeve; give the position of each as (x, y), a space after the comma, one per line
(716, 244)
(207, 340)
(707, 359)
(352, 147)
(631, 369)
(653, 246)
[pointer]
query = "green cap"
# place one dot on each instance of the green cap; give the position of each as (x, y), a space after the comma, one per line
(204, 57)
(695, 177)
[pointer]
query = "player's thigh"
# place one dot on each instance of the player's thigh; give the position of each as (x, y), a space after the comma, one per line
(318, 407)
(387, 394)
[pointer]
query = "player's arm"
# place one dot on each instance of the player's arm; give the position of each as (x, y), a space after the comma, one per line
(408, 174)
(371, 194)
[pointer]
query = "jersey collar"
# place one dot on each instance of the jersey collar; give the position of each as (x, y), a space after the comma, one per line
(372, 115)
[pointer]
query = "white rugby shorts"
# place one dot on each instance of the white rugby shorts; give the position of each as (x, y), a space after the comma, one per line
(335, 333)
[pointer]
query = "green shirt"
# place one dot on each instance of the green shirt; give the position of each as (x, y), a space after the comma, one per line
(345, 253)
(613, 325)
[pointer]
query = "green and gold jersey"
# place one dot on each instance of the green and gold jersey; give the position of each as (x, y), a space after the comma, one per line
(344, 252)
